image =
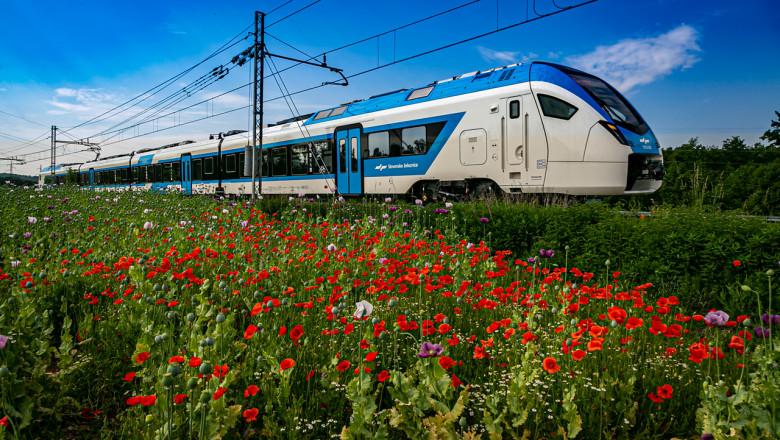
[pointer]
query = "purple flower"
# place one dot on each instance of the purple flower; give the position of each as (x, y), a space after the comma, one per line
(27, 235)
(707, 436)
(761, 332)
(418, 202)
(3, 342)
(716, 319)
(531, 260)
(32, 220)
(549, 254)
(428, 350)
(441, 211)
(484, 220)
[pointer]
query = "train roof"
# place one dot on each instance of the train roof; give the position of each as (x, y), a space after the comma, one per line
(457, 85)
(60, 167)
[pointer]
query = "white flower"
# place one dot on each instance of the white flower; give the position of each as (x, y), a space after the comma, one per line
(148, 225)
(364, 309)
(32, 220)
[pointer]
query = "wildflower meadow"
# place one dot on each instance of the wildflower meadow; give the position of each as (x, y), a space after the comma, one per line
(162, 316)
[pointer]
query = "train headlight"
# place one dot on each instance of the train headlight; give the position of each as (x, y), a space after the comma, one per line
(614, 131)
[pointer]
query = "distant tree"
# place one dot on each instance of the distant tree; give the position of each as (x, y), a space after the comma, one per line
(735, 143)
(772, 136)
(72, 177)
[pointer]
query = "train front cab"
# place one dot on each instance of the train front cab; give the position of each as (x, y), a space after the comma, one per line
(575, 134)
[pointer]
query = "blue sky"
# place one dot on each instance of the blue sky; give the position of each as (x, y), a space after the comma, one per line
(691, 67)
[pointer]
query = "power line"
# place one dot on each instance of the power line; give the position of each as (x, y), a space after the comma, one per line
(19, 117)
(290, 15)
(283, 4)
(162, 85)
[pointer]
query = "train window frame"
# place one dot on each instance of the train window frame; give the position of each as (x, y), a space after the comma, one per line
(208, 166)
(514, 109)
(230, 163)
(405, 143)
(342, 152)
(241, 165)
(166, 173)
(324, 149)
(422, 92)
(377, 137)
(197, 169)
(303, 163)
(135, 174)
(549, 103)
(265, 163)
(281, 153)
(176, 171)
(354, 153)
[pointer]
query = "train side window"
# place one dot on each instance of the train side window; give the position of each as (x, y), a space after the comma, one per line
(342, 155)
(167, 175)
(208, 166)
(230, 163)
(556, 108)
(514, 109)
(241, 165)
(379, 144)
(299, 159)
(338, 111)
(279, 161)
(158, 173)
(266, 161)
(413, 140)
(325, 153)
(176, 171)
(135, 174)
(420, 93)
(197, 169)
(321, 115)
(355, 153)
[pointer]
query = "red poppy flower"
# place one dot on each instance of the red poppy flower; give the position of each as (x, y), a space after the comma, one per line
(286, 364)
(176, 359)
(595, 345)
(665, 391)
(282, 331)
(528, 337)
(220, 371)
(251, 390)
(195, 361)
(383, 376)
(135, 400)
(343, 366)
(179, 398)
(737, 263)
(250, 331)
(698, 352)
(296, 332)
(142, 357)
(654, 398)
(4, 422)
(550, 365)
(456, 382)
(256, 309)
(220, 391)
(251, 414)
(364, 344)
(348, 329)
(446, 362)
(148, 400)
(577, 355)
(370, 357)
(479, 353)
(129, 377)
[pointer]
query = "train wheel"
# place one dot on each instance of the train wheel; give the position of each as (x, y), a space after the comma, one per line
(482, 190)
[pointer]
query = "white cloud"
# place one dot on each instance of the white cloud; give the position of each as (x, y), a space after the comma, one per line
(634, 62)
(68, 106)
(79, 100)
(65, 92)
(3, 89)
(491, 55)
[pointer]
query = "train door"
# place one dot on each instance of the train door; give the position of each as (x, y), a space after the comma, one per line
(92, 177)
(525, 146)
(186, 173)
(349, 172)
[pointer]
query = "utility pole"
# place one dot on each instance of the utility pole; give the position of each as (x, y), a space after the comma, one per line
(257, 134)
(93, 147)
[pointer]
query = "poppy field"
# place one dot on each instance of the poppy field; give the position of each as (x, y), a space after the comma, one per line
(157, 316)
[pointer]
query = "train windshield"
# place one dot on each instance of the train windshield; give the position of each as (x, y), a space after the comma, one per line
(615, 105)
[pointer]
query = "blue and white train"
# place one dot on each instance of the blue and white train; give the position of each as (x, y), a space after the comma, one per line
(524, 128)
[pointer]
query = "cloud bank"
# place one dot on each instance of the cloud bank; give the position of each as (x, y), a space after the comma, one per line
(634, 62)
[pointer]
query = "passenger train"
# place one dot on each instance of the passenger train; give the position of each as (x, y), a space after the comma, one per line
(524, 128)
